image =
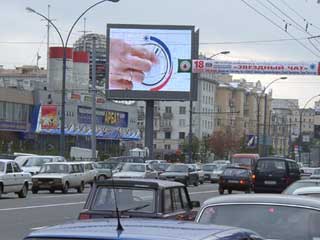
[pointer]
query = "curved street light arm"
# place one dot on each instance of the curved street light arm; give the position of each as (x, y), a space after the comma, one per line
(53, 25)
(89, 8)
(275, 80)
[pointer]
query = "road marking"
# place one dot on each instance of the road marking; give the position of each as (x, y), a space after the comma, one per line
(60, 196)
(41, 206)
(37, 228)
(195, 193)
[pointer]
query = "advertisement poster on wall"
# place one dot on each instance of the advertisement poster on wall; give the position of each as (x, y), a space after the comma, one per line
(49, 117)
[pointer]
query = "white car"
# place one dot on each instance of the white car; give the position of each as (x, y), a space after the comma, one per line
(33, 163)
(90, 172)
(13, 179)
(200, 172)
(59, 176)
(136, 170)
(213, 171)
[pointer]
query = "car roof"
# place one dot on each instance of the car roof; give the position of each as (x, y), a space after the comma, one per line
(307, 180)
(237, 167)
(147, 229)
(263, 199)
(277, 158)
(306, 190)
(152, 183)
(65, 163)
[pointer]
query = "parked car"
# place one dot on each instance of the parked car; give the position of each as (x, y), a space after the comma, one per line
(275, 174)
(236, 178)
(33, 163)
(104, 170)
(135, 170)
(59, 176)
(146, 229)
(200, 172)
(301, 184)
(13, 179)
(147, 198)
(273, 216)
(181, 173)
(160, 167)
(90, 172)
(308, 191)
(247, 160)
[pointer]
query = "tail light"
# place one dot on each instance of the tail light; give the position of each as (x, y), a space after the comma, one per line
(253, 177)
(84, 216)
(242, 181)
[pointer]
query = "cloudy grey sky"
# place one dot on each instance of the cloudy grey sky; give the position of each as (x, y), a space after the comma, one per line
(224, 25)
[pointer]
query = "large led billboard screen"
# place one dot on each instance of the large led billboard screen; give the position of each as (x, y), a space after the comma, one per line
(142, 62)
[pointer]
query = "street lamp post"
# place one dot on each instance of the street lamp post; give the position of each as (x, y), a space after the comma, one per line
(64, 65)
(265, 114)
(300, 123)
(190, 112)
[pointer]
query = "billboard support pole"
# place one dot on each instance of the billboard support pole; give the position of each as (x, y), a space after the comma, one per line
(94, 93)
(190, 133)
(148, 139)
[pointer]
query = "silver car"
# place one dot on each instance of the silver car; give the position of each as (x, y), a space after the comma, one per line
(13, 179)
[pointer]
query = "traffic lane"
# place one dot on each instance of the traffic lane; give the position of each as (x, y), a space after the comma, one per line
(42, 198)
(203, 192)
(16, 224)
(18, 217)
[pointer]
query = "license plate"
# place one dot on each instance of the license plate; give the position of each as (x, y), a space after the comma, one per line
(233, 181)
(270, 182)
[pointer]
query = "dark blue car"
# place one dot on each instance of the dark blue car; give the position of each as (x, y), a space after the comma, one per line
(141, 229)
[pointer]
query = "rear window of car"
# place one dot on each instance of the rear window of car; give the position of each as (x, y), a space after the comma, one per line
(235, 172)
(269, 221)
(131, 199)
(271, 165)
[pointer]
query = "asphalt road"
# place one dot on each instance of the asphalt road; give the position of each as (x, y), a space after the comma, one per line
(20, 216)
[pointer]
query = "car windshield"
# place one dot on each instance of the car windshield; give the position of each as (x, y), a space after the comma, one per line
(1, 167)
(103, 165)
(209, 167)
(54, 168)
(275, 166)
(36, 162)
(235, 172)
(294, 186)
(271, 222)
(135, 199)
(242, 161)
(177, 168)
(133, 168)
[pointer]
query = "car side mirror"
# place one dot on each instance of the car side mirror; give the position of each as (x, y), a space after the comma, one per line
(195, 204)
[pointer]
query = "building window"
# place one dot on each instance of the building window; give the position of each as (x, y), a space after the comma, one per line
(167, 146)
(182, 135)
(182, 122)
(154, 146)
(182, 110)
(154, 135)
(168, 110)
(167, 135)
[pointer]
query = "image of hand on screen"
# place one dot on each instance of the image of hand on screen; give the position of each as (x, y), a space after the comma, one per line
(128, 64)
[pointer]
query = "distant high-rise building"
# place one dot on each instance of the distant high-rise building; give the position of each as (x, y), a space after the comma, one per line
(84, 43)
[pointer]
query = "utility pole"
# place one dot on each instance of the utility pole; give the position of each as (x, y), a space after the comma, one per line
(265, 125)
(190, 131)
(94, 93)
(48, 43)
(258, 122)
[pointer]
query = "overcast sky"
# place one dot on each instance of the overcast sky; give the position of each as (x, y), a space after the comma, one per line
(222, 24)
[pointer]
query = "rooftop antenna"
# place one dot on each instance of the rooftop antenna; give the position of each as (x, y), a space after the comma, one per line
(119, 226)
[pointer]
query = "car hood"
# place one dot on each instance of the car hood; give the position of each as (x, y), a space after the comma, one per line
(34, 169)
(129, 174)
(169, 174)
(50, 175)
(217, 172)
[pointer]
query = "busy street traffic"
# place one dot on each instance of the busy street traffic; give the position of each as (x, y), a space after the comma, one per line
(20, 216)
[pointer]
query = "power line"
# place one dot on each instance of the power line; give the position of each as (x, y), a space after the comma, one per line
(275, 24)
